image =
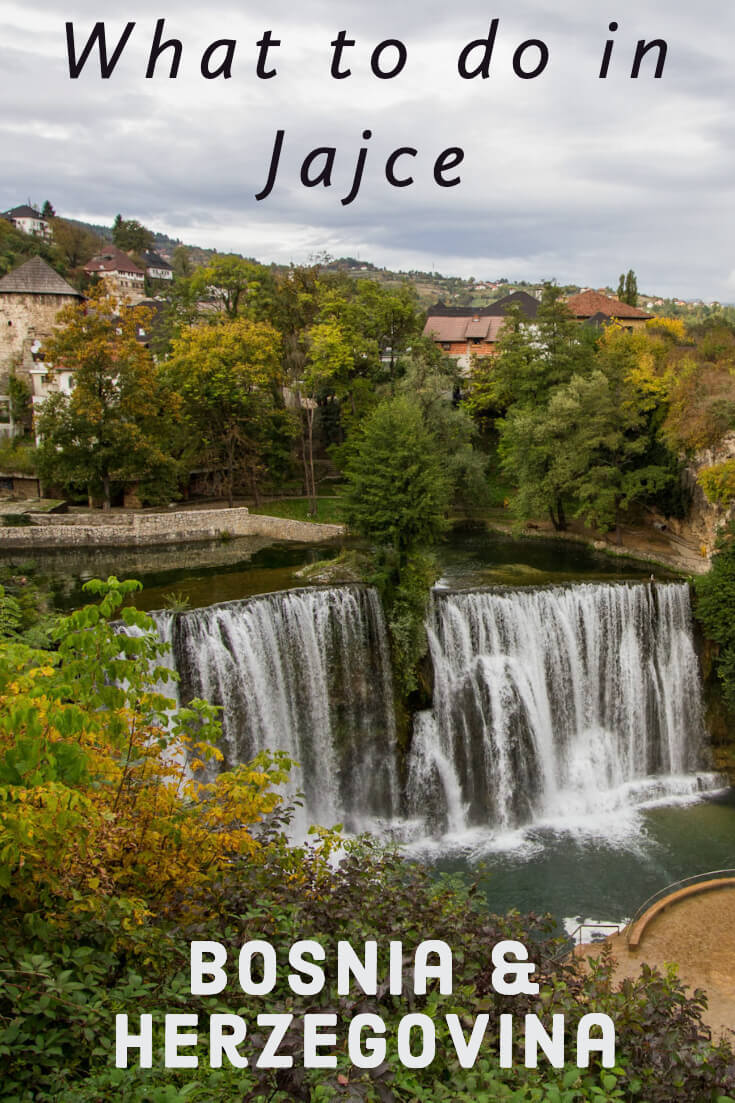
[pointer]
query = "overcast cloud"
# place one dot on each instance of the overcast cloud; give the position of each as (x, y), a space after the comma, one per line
(565, 176)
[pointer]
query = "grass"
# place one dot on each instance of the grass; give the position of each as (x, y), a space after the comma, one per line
(15, 456)
(329, 510)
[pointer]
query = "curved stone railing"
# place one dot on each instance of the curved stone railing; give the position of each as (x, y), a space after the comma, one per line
(671, 894)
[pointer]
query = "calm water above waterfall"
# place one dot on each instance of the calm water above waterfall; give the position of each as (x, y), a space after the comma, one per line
(225, 571)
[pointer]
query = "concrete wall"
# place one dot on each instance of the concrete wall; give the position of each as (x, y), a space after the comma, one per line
(80, 530)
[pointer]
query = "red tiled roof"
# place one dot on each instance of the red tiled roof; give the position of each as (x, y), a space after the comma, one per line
(112, 259)
(588, 303)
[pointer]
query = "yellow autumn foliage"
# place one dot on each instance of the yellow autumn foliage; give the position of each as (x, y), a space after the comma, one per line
(718, 482)
(102, 793)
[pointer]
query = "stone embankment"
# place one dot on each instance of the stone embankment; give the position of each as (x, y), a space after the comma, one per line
(135, 529)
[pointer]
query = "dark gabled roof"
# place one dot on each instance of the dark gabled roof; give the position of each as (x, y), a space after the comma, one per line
(36, 277)
(527, 304)
(154, 260)
(24, 212)
(597, 320)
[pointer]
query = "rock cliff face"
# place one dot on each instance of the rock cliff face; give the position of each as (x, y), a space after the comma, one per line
(704, 518)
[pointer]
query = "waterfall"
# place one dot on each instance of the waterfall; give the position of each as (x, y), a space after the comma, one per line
(307, 672)
(551, 705)
(556, 703)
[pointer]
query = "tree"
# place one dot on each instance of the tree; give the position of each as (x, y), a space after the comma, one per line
(631, 288)
(74, 242)
(227, 375)
(115, 426)
(715, 611)
(628, 288)
(182, 263)
(533, 357)
(95, 804)
(588, 444)
(131, 236)
(293, 310)
(48, 211)
(329, 356)
(232, 282)
(398, 490)
(391, 318)
(430, 379)
(701, 404)
(20, 403)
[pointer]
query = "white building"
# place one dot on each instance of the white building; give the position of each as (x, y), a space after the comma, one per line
(29, 221)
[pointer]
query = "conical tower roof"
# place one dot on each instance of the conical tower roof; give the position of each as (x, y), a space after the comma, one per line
(36, 277)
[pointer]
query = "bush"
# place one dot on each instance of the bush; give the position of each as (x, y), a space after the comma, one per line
(715, 611)
(112, 860)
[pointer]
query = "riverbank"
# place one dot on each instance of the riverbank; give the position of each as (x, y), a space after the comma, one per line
(133, 529)
(640, 542)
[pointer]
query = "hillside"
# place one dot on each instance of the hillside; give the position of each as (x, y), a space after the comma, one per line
(430, 286)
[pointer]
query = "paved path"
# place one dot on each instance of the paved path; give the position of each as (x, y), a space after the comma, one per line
(698, 933)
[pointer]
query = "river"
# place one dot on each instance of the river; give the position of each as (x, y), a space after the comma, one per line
(564, 759)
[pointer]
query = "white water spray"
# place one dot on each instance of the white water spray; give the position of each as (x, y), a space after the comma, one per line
(557, 705)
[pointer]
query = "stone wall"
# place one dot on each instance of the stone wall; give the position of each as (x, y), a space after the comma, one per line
(24, 317)
(100, 530)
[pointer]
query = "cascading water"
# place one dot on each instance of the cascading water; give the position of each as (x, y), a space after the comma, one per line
(556, 703)
(306, 672)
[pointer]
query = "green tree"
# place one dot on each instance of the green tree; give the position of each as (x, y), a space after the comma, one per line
(631, 288)
(231, 282)
(131, 236)
(587, 444)
(431, 380)
(227, 376)
(115, 426)
(328, 358)
(182, 263)
(715, 611)
(391, 318)
(21, 403)
(398, 490)
(533, 357)
(293, 310)
(74, 242)
(628, 288)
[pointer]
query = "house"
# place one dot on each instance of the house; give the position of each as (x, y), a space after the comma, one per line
(156, 268)
(29, 221)
(146, 331)
(464, 332)
(121, 275)
(596, 309)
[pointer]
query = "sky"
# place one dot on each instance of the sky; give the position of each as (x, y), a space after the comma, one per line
(565, 176)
